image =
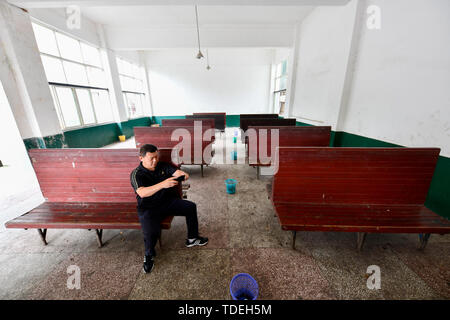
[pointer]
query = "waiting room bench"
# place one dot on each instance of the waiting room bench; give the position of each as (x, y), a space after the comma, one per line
(362, 190)
(86, 189)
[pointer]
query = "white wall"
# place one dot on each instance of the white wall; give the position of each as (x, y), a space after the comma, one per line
(19, 188)
(401, 84)
(325, 39)
(238, 82)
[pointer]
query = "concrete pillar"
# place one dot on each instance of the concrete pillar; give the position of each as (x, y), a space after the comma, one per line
(292, 73)
(113, 80)
(148, 110)
(24, 81)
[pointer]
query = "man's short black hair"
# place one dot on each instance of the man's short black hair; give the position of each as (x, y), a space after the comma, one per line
(147, 148)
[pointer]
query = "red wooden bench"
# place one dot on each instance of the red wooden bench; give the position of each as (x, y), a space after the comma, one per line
(314, 136)
(162, 138)
(180, 123)
(85, 189)
(363, 190)
(257, 116)
(262, 122)
(220, 118)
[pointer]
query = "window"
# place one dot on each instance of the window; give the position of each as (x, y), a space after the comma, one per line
(279, 94)
(131, 79)
(76, 77)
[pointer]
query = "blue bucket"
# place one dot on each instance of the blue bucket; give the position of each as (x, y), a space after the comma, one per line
(243, 287)
(234, 155)
(231, 185)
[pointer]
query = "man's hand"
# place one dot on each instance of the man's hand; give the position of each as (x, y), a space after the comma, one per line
(169, 183)
(181, 173)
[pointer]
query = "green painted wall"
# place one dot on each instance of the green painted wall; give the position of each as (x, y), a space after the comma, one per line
(157, 119)
(233, 120)
(93, 137)
(34, 143)
(438, 198)
(127, 126)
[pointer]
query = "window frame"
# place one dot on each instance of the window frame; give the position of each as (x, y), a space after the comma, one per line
(72, 86)
(124, 92)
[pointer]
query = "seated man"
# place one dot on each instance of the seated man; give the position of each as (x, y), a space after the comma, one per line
(153, 181)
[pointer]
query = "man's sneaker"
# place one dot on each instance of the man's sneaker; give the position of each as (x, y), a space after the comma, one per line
(148, 264)
(199, 241)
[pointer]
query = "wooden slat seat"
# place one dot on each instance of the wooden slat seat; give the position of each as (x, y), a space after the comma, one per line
(75, 215)
(360, 218)
(86, 189)
(363, 190)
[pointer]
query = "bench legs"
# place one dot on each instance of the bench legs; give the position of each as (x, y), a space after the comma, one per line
(360, 240)
(258, 172)
(43, 233)
(423, 240)
(99, 233)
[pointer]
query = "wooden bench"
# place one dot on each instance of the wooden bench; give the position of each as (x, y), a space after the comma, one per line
(363, 190)
(262, 122)
(86, 189)
(220, 118)
(181, 123)
(257, 116)
(162, 138)
(314, 136)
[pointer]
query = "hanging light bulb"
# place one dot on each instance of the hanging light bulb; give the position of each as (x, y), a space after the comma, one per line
(199, 54)
(207, 60)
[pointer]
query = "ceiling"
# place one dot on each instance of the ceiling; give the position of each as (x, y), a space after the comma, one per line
(163, 16)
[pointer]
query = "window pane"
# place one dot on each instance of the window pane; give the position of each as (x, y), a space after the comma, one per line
(69, 48)
(76, 73)
(102, 106)
(68, 107)
(96, 77)
(283, 83)
(91, 55)
(284, 67)
(134, 105)
(45, 39)
(278, 71)
(53, 69)
(119, 65)
(58, 112)
(84, 100)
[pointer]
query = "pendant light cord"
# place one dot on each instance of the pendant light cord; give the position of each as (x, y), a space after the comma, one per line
(198, 31)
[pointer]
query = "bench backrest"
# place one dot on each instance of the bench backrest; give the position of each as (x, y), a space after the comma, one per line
(220, 119)
(162, 138)
(245, 123)
(354, 175)
(313, 136)
(88, 175)
(257, 116)
(187, 122)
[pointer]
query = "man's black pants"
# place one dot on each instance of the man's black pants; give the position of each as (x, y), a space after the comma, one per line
(151, 221)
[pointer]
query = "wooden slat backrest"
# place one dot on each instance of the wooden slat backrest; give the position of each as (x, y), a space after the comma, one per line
(354, 175)
(87, 175)
(162, 138)
(313, 136)
(257, 116)
(220, 118)
(187, 122)
(245, 123)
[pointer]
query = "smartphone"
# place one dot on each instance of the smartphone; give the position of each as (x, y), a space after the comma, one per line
(180, 178)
